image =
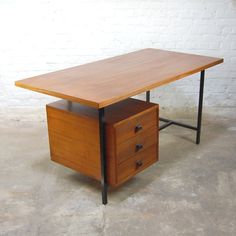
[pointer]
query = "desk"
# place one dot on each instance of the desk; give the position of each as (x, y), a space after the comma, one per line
(105, 82)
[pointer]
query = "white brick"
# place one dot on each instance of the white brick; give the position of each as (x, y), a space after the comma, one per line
(47, 35)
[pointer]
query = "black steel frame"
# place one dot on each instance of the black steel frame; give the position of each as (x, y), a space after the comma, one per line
(168, 122)
(148, 96)
(102, 134)
(199, 116)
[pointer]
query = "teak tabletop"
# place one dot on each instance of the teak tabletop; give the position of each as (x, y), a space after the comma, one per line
(102, 83)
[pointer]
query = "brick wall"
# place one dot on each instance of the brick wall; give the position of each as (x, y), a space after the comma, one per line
(45, 35)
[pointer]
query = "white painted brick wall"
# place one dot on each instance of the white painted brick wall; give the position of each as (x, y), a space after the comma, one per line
(45, 35)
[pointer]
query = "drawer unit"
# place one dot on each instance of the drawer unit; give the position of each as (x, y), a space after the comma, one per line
(131, 138)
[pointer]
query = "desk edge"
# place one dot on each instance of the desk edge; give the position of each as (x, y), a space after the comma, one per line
(113, 100)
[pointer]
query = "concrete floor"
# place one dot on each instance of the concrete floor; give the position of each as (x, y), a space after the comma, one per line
(191, 191)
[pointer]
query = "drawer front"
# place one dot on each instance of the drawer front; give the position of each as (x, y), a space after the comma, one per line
(136, 145)
(136, 125)
(136, 164)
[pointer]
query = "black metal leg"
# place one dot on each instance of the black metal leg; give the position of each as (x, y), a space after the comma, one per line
(69, 105)
(172, 122)
(148, 96)
(199, 118)
(103, 155)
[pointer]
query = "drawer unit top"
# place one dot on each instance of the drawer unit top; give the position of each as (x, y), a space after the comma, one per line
(115, 114)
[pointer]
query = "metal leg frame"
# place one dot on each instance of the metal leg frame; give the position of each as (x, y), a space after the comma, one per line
(199, 117)
(171, 122)
(168, 122)
(148, 96)
(102, 132)
(200, 103)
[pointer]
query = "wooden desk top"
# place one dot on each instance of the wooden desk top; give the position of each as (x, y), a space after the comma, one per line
(101, 83)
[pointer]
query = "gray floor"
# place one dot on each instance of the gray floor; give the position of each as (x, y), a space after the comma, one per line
(191, 191)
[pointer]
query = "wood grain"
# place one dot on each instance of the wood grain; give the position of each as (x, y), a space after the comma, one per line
(74, 136)
(121, 156)
(102, 83)
(74, 141)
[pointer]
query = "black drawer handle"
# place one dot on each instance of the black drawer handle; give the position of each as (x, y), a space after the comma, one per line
(138, 147)
(138, 128)
(139, 163)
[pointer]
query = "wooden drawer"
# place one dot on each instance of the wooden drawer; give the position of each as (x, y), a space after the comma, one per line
(75, 142)
(136, 125)
(137, 144)
(136, 164)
